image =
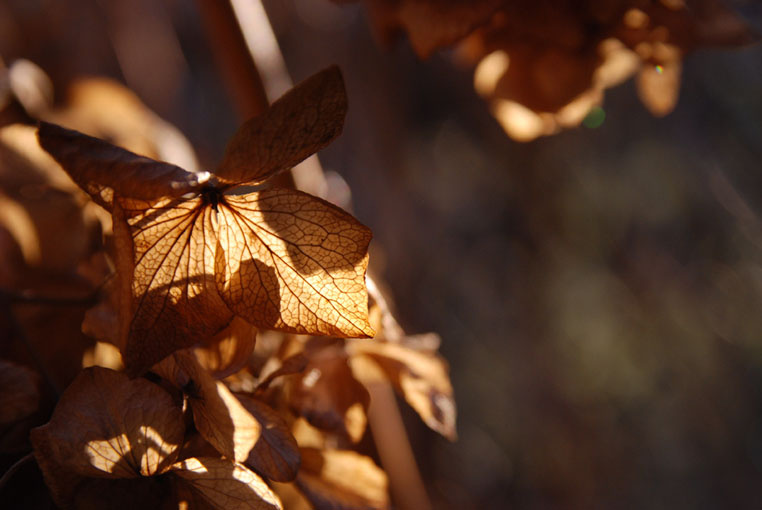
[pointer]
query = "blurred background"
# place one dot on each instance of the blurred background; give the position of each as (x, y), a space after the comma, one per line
(598, 292)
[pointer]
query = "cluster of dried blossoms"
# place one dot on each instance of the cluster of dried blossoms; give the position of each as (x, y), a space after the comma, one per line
(186, 403)
(544, 64)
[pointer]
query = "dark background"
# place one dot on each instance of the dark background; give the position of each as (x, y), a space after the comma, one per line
(598, 292)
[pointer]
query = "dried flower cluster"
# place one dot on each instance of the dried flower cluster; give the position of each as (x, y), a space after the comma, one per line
(543, 65)
(186, 401)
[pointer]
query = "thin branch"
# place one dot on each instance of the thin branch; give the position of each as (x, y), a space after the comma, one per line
(15, 467)
(394, 449)
(263, 47)
(230, 50)
(255, 72)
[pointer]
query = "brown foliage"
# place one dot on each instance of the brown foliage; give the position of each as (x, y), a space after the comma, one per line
(200, 266)
(107, 426)
(341, 479)
(328, 396)
(276, 454)
(109, 429)
(222, 484)
(280, 259)
(419, 375)
(543, 65)
(430, 24)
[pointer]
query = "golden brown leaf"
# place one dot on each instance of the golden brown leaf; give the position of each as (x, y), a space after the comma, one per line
(293, 262)
(101, 168)
(291, 497)
(430, 24)
(308, 436)
(106, 109)
(39, 202)
(289, 366)
(659, 85)
(303, 121)
(109, 426)
(171, 301)
(276, 454)
(278, 259)
(229, 350)
(218, 414)
(342, 480)
(281, 260)
(329, 396)
(548, 53)
(103, 354)
(61, 480)
(420, 377)
(225, 485)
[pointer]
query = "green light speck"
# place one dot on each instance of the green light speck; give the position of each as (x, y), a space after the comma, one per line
(595, 118)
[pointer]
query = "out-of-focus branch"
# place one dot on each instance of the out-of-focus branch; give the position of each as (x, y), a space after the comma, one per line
(263, 47)
(255, 71)
(235, 62)
(394, 449)
(29, 457)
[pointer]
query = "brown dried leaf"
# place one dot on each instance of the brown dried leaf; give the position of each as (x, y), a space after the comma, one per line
(292, 262)
(545, 65)
(342, 480)
(103, 354)
(329, 396)
(107, 425)
(218, 414)
(289, 366)
(61, 480)
(308, 436)
(108, 110)
(421, 377)
(19, 392)
(171, 301)
(279, 259)
(229, 350)
(276, 454)
(303, 121)
(39, 201)
(102, 169)
(430, 24)
(224, 484)
(659, 86)
(291, 497)
(169, 370)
